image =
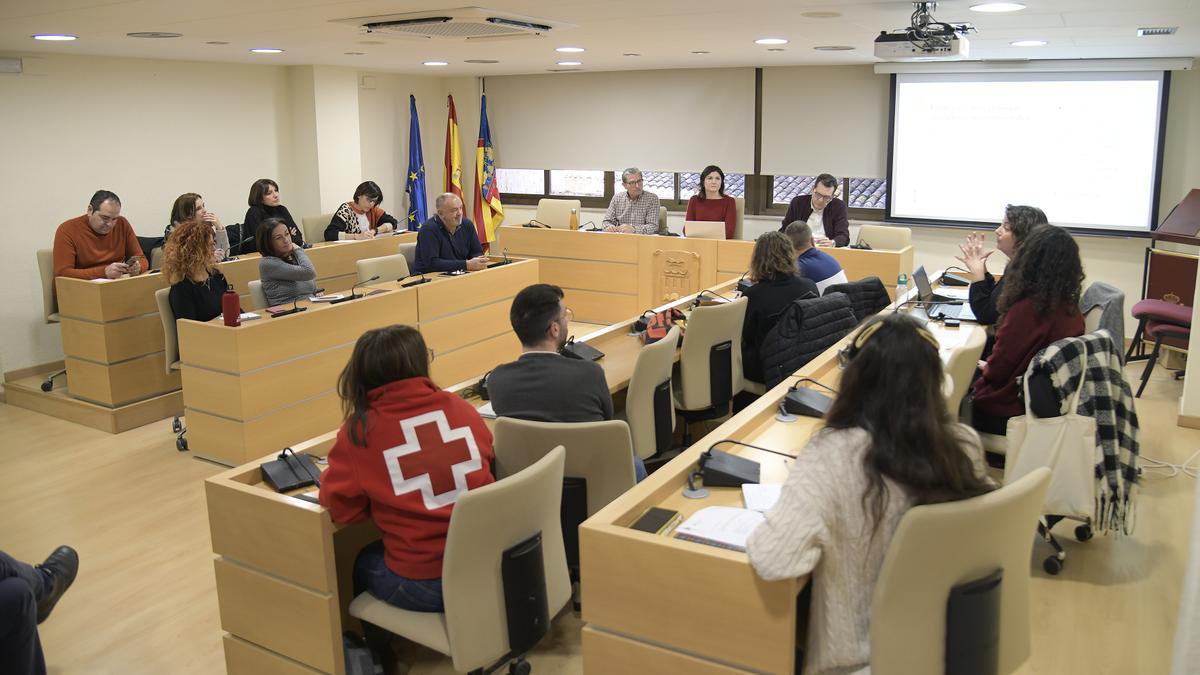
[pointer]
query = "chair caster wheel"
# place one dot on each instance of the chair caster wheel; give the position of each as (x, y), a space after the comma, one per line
(1052, 565)
(181, 444)
(47, 385)
(177, 425)
(519, 668)
(1083, 533)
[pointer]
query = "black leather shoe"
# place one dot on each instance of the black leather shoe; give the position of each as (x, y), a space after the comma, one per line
(63, 565)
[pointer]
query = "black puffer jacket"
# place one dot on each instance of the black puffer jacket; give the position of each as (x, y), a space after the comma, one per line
(806, 328)
(867, 296)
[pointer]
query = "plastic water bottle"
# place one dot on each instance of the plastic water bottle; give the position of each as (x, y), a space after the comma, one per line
(901, 287)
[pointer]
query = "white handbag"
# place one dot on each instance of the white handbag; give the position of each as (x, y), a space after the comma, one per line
(1065, 444)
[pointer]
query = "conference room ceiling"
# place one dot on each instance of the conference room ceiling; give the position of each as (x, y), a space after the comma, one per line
(661, 33)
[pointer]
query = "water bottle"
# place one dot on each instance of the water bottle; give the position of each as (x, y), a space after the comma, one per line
(902, 287)
(574, 219)
(231, 309)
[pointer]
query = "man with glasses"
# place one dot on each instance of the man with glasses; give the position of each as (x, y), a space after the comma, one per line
(633, 211)
(542, 384)
(822, 211)
(99, 244)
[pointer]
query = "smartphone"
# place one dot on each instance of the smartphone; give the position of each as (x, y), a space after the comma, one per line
(951, 323)
(656, 520)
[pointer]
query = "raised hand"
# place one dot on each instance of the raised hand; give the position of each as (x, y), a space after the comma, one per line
(974, 256)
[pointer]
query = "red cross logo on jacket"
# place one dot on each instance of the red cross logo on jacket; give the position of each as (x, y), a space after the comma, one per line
(415, 477)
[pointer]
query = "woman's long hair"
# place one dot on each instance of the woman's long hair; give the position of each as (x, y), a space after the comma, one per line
(381, 356)
(263, 241)
(773, 257)
(187, 251)
(702, 193)
(1048, 271)
(184, 208)
(892, 388)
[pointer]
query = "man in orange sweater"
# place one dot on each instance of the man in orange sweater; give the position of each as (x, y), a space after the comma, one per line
(99, 244)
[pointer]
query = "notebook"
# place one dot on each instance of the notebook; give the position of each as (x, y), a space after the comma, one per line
(761, 496)
(723, 526)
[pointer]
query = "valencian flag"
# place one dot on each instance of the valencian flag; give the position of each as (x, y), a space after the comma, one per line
(415, 187)
(453, 166)
(489, 213)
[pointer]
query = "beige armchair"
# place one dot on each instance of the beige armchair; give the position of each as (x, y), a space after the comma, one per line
(171, 363)
(713, 338)
(939, 546)
(485, 523)
(649, 397)
(960, 368)
(387, 268)
(314, 227)
(45, 260)
(885, 237)
(557, 212)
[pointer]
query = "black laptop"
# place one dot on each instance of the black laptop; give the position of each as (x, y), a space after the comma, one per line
(940, 306)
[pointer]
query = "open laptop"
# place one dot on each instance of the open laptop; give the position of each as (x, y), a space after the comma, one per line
(704, 229)
(940, 306)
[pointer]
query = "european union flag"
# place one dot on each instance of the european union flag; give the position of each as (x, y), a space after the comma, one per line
(416, 170)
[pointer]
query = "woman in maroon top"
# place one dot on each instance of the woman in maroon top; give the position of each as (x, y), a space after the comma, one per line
(1038, 306)
(711, 204)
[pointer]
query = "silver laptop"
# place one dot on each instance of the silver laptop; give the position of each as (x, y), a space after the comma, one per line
(940, 306)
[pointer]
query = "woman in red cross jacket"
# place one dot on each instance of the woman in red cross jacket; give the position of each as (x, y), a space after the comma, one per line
(405, 453)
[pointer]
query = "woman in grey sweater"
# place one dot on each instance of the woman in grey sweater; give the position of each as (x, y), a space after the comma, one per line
(285, 271)
(888, 444)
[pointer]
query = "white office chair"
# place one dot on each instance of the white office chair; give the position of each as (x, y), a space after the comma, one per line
(557, 212)
(409, 251)
(486, 525)
(961, 366)
(257, 297)
(171, 363)
(885, 237)
(710, 363)
(976, 550)
(649, 397)
(314, 227)
(741, 217)
(387, 268)
(45, 260)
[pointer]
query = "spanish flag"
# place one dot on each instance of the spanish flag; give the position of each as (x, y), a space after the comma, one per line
(453, 166)
(489, 213)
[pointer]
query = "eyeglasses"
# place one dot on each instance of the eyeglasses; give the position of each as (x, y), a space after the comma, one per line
(818, 196)
(639, 181)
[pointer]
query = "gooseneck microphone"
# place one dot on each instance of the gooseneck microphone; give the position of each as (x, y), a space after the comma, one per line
(353, 295)
(415, 282)
(296, 309)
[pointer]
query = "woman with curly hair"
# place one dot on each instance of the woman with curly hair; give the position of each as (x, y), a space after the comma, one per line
(190, 266)
(985, 291)
(777, 283)
(1039, 305)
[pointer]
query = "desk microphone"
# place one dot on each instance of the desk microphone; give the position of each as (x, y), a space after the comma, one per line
(352, 295)
(296, 309)
(501, 263)
(416, 282)
(536, 223)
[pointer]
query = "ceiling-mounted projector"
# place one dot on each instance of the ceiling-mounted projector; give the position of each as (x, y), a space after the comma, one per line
(925, 39)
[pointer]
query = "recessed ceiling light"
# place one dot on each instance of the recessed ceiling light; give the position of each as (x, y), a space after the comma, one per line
(569, 50)
(266, 50)
(481, 61)
(770, 41)
(834, 48)
(631, 54)
(820, 15)
(355, 53)
(997, 7)
(435, 63)
(153, 34)
(700, 51)
(1028, 43)
(54, 37)
(777, 49)
(216, 42)
(570, 63)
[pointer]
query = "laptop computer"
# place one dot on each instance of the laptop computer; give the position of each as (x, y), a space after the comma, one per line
(704, 229)
(940, 306)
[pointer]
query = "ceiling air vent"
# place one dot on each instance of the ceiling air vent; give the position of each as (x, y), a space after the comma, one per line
(464, 23)
(1159, 30)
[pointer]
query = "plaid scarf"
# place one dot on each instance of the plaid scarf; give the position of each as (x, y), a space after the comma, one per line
(1105, 396)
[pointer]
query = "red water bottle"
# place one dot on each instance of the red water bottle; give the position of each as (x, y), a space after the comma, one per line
(231, 308)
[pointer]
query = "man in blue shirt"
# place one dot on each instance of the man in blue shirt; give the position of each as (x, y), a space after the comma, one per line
(816, 265)
(448, 242)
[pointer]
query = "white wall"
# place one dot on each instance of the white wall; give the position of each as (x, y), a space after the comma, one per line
(147, 130)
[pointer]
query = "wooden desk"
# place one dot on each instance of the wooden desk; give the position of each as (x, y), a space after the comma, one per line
(284, 573)
(659, 604)
(270, 383)
(607, 276)
(285, 570)
(113, 339)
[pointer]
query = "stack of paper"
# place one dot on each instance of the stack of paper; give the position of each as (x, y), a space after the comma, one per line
(724, 526)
